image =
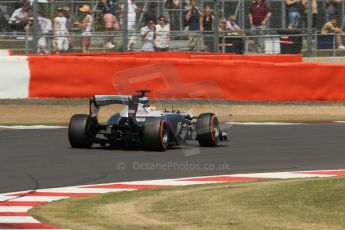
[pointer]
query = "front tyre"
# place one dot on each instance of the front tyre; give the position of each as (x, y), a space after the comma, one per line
(207, 130)
(80, 132)
(156, 134)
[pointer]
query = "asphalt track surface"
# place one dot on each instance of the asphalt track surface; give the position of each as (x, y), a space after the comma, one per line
(32, 159)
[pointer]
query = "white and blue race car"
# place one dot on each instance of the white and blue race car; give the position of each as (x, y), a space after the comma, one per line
(140, 124)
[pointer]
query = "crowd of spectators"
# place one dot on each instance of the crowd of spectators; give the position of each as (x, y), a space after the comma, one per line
(157, 30)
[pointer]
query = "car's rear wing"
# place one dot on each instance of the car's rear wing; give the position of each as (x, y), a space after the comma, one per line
(102, 100)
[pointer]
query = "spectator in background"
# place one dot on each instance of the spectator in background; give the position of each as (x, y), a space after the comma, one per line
(69, 17)
(110, 24)
(293, 7)
(343, 24)
(110, 6)
(148, 35)
(207, 28)
(44, 28)
(162, 41)
(70, 21)
(332, 28)
(314, 12)
(222, 34)
(193, 18)
(61, 34)
(222, 25)
(151, 14)
(4, 18)
(19, 18)
(29, 21)
(231, 27)
(259, 15)
(86, 28)
(173, 7)
(331, 8)
(131, 24)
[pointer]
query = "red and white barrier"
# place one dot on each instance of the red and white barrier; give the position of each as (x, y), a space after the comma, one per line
(229, 77)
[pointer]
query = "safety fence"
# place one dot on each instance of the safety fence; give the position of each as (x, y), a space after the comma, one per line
(309, 20)
(276, 42)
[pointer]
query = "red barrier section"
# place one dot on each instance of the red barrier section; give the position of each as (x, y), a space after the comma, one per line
(257, 58)
(63, 76)
(189, 55)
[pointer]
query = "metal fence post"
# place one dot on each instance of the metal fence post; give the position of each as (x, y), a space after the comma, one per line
(243, 14)
(283, 15)
(35, 25)
(215, 25)
(309, 28)
(125, 26)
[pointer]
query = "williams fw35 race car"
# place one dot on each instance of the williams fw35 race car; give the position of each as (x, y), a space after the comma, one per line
(140, 124)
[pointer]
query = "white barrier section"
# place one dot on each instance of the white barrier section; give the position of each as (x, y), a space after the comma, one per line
(4, 53)
(14, 77)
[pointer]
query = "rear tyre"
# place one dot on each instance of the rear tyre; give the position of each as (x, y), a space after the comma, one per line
(156, 134)
(80, 132)
(207, 130)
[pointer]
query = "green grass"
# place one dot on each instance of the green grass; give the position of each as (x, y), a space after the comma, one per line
(278, 204)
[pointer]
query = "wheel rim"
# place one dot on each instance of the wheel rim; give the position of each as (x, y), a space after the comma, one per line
(164, 135)
(215, 130)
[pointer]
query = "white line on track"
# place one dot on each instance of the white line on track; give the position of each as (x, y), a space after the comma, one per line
(281, 175)
(264, 123)
(284, 123)
(168, 182)
(32, 127)
(83, 190)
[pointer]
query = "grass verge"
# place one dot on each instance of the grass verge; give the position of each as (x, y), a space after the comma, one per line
(278, 204)
(59, 111)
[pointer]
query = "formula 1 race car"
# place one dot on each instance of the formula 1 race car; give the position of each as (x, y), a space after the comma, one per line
(140, 124)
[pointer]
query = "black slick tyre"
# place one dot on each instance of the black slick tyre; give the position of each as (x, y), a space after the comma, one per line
(80, 132)
(207, 130)
(156, 134)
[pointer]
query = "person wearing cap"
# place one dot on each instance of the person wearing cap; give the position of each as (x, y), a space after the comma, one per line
(86, 28)
(61, 34)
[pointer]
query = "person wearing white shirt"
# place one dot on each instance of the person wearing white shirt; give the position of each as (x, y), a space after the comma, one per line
(131, 24)
(231, 27)
(45, 27)
(148, 36)
(61, 34)
(162, 32)
(19, 17)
